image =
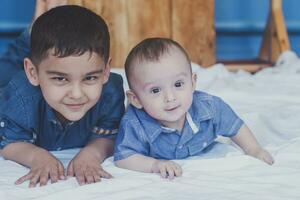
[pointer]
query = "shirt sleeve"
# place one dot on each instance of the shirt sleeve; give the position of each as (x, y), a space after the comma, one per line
(12, 60)
(226, 121)
(130, 141)
(111, 110)
(11, 132)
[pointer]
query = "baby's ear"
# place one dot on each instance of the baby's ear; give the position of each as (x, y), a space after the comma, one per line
(133, 99)
(31, 72)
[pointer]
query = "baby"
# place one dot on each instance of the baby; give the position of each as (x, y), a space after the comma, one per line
(167, 118)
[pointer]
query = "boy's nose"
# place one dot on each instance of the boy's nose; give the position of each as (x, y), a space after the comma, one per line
(76, 91)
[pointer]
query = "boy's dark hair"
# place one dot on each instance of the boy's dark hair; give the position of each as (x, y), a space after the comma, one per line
(151, 50)
(69, 30)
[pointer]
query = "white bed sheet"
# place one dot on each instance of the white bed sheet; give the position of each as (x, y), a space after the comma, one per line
(268, 101)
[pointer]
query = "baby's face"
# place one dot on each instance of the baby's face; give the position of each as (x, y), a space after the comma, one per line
(165, 88)
(73, 84)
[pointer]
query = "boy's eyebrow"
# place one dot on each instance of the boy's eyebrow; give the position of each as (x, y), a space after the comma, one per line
(95, 72)
(65, 74)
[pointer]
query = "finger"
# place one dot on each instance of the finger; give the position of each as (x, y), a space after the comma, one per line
(105, 174)
(163, 172)
(268, 159)
(24, 178)
(70, 169)
(54, 175)
(80, 177)
(178, 170)
(61, 172)
(97, 177)
(89, 176)
(170, 172)
(34, 180)
(44, 177)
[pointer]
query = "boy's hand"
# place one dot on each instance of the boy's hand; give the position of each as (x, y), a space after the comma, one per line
(167, 168)
(86, 168)
(44, 167)
(265, 156)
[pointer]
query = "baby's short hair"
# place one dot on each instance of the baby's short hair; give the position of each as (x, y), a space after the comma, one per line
(69, 30)
(150, 50)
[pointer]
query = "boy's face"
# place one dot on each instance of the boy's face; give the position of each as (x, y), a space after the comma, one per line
(164, 88)
(70, 85)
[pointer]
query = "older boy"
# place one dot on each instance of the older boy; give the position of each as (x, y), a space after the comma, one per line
(67, 99)
(167, 118)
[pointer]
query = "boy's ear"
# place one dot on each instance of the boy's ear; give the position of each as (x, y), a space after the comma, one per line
(194, 80)
(106, 70)
(133, 99)
(31, 72)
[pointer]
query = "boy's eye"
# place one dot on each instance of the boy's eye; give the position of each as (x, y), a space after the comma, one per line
(59, 79)
(155, 90)
(91, 78)
(179, 84)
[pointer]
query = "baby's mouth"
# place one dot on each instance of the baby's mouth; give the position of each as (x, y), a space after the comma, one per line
(171, 108)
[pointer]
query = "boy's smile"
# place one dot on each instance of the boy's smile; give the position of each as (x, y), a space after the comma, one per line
(70, 85)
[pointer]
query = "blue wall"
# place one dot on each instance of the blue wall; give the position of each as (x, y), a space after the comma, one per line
(15, 15)
(239, 25)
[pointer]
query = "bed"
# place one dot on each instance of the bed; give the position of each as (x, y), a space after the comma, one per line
(268, 101)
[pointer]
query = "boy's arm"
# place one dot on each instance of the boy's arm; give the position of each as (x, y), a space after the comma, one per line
(138, 162)
(86, 164)
(246, 140)
(42, 164)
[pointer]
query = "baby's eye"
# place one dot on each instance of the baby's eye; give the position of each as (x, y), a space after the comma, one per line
(155, 90)
(179, 84)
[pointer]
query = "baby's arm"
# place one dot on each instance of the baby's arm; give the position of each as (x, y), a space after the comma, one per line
(138, 162)
(43, 165)
(246, 140)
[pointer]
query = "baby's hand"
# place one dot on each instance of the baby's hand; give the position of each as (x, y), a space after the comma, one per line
(265, 156)
(45, 166)
(167, 168)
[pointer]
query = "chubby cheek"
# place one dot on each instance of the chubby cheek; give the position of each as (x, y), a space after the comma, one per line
(53, 94)
(153, 107)
(93, 93)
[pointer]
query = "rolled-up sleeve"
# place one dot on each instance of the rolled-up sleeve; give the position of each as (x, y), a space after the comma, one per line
(11, 132)
(130, 140)
(226, 121)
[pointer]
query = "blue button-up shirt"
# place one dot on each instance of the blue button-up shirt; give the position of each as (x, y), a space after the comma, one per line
(26, 116)
(208, 117)
(11, 62)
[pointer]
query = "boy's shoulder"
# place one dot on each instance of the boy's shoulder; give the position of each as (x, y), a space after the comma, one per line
(19, 100)
(114, 84)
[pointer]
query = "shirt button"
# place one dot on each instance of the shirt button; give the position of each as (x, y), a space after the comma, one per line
(2, 124)
(58, 149)
(180, 146)
(204, 144)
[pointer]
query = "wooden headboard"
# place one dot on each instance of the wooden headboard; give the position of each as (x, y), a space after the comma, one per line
(189, 22)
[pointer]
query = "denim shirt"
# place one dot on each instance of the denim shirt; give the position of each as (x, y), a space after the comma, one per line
(208, 117)
(12, 60)
(25, 116)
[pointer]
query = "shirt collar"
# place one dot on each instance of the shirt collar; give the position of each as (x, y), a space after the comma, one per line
(197, 113)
